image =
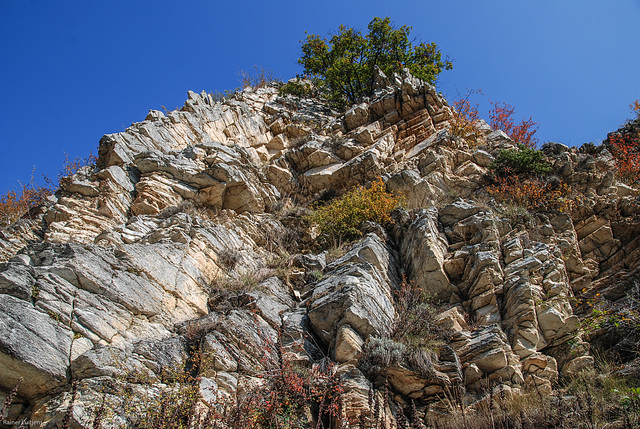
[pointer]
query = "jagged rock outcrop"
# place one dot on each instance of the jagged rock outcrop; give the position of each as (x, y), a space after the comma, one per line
(172, 246)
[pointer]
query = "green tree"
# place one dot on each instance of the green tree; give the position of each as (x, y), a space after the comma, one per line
(345, 64)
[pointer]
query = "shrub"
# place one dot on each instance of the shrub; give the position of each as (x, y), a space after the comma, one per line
(259, 78)
(71, 167)
(625, 148)
(301, 88)
(341, 218)
(16, 204)
(523, 161)
(222, 96)
(345, 64)
(502, 119)
(416, 324)
(465, 118)
(533, 194)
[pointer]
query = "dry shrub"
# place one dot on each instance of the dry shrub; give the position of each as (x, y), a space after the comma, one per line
(533, 194)
(594, 399)
(416, 324)
(465, 118)
(17, 204)
(416, 337)
(259, 78)
(71, 167)
(635, 107)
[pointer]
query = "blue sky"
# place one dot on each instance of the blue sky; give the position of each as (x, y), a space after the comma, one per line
(71, 71)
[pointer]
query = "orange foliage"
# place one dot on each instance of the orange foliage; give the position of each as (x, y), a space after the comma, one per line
(14, 205)
(502, 119)
(536, 194)
(464, 120)
(635, 107)
(626, 151)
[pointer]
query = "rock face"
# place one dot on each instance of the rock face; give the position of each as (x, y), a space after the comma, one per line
(171, 246)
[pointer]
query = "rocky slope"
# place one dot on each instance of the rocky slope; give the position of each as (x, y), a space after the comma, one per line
(187, 237)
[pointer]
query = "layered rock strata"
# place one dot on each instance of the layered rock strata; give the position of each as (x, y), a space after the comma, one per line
(166, 247)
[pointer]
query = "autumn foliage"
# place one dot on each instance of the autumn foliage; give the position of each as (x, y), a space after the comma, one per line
(501, 116)
(624, 145)
(532, 194)
(341, 218)
(635, 107)
(626, 151)
(465, 119)
(16, 204)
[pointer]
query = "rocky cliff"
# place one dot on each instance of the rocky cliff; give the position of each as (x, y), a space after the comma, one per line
(187, 238)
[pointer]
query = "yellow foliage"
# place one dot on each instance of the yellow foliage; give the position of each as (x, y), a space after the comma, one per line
(341, 218)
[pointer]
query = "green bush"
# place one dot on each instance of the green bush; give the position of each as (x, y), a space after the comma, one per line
(345, 64)
(299, 87)
(522, 161)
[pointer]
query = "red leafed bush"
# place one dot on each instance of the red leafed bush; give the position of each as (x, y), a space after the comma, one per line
(626, 151)
(501, 116)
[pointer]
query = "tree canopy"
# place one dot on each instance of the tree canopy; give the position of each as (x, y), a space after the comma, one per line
(345, 64)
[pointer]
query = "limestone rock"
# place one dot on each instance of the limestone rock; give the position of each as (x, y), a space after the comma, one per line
(357, 291)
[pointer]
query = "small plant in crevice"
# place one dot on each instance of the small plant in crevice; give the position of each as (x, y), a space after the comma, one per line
(229, 258)
(71, 167)
(416, 337)
(222, 96)
(416, 324)
(9, 399)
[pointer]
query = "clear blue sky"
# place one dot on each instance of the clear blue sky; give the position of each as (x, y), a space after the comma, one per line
(71, 71)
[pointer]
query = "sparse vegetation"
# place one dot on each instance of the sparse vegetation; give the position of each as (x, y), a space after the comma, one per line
(259, 78)
(416, 337)
(288, 397)
(16, 204)
(465, 119)
(533, 194)
(596, 398)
